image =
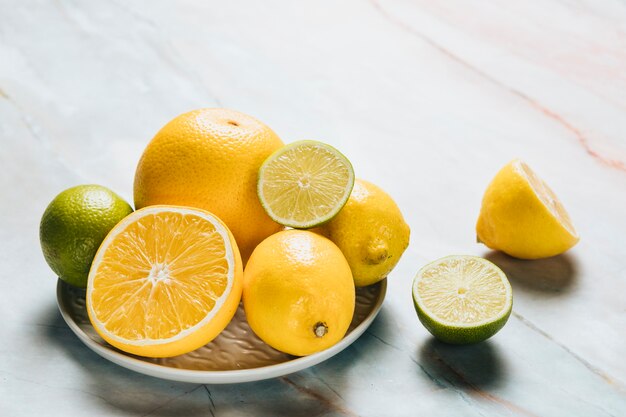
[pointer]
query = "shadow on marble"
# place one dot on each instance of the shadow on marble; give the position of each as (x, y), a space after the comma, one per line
(478, 367)
(551, 276)
(113, 385)
(121, 389)
(331, 381)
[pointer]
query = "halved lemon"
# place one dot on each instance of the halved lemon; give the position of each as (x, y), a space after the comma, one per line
(521, 216)
(462, 299)
(305, 184)
(165, 281)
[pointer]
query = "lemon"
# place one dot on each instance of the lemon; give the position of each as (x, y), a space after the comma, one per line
(370, 231)
(305, 184)
(298, 292)
(210, 159)
(73, 226)
(462, 299)
(165, 281)
(521, 215)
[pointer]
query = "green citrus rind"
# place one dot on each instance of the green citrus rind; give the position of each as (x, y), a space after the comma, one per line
(462, 333)
(74, 225)
(314, 221)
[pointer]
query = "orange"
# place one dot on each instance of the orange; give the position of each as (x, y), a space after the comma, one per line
(165, 281)
(210, 159)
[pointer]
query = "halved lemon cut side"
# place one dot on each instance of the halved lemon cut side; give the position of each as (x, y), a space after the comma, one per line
(547, 196)
(165, 281)
(305, 184)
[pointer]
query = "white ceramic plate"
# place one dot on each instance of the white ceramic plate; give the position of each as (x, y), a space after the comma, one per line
(236, 355)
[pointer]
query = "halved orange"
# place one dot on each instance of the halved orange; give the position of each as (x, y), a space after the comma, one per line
(165, 281)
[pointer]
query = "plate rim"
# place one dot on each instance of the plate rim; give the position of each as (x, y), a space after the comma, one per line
(221, 377)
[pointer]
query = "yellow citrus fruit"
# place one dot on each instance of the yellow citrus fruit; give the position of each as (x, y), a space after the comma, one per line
(298, 292)
(165, 281)
(370, 231)
(521, 215)
(210, 159)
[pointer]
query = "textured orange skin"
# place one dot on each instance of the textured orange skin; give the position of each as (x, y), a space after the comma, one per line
(198, 338)
(209, 159)
(294, 280)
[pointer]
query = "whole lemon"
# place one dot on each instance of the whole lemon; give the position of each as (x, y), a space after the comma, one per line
(521, 216)
(210, 158)
(298, 292)
(370, 231)
(74, 225)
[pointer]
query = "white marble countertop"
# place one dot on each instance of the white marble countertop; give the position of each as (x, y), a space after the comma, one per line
(428, 99)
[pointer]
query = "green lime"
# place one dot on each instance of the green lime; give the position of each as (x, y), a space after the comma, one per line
(74, 225)
(305, 184)
(462, 299)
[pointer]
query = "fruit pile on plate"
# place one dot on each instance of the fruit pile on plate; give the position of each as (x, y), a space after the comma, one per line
(225, 212)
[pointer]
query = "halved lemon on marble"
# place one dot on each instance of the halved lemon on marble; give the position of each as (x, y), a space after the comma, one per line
(523, 217)
(462, 299)
(305, 184)
(165, 281)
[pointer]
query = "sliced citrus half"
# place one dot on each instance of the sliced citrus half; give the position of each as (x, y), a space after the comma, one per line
(305, 184)
(462, 299)
(165, 281)
(521, 216)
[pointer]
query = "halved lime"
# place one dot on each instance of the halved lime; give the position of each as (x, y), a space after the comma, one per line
(462, 299)
(305, 184)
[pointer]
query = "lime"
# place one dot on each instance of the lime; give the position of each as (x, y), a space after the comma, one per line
(74, 225)
(305, 184)
(462, 299)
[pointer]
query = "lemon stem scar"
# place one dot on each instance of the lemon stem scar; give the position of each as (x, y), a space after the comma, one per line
(320, 329)
(377, 252)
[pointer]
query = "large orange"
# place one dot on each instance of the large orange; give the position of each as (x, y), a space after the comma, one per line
(165, 281)
(210, 158)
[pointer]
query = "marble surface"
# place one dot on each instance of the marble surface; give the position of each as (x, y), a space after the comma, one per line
(428, 100)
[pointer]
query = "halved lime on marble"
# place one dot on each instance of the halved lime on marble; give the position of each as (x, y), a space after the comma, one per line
(462, 299)
(305, 184)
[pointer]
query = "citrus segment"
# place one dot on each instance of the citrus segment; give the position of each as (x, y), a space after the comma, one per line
(165, 281)
(462, 299)
(305, 184)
